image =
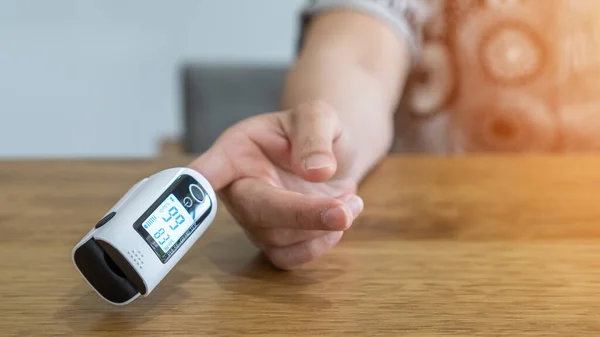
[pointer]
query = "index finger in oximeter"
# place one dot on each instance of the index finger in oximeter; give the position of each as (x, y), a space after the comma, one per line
(145, 234)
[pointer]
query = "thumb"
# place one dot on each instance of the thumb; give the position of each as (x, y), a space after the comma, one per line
(314, 127)
(215, 166)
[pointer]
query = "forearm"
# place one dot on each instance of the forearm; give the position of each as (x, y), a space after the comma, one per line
(358, 66)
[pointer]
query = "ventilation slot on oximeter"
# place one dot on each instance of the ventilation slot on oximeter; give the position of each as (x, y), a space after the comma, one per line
(145, 234)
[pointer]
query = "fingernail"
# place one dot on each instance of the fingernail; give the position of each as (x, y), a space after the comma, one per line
(336, 218)
(317, 161)
(356, 204)
(333, 237)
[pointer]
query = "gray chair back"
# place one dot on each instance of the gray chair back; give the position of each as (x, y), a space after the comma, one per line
(218, 96)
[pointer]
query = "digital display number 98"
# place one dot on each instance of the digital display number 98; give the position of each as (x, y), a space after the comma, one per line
(173, 215)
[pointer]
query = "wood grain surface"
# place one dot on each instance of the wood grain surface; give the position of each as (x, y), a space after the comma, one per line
(467, 246)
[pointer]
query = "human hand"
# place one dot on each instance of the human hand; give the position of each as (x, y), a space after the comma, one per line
(285, 177)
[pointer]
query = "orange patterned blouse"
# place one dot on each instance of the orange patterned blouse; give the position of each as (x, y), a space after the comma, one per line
(495, 75)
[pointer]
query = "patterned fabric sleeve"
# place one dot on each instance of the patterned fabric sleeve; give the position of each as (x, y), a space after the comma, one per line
(405, 17)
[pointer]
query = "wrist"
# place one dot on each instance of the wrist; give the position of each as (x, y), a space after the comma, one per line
(370, 146)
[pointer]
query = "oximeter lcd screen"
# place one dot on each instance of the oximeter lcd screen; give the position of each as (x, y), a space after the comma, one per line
(168, 223)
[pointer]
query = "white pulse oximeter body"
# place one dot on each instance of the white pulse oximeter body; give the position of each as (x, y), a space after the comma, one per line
(145, 234)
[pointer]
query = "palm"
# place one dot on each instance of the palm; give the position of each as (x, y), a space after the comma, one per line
(332, 188)
(265, 154)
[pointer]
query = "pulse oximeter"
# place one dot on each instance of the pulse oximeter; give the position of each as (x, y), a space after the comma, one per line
(145, 234)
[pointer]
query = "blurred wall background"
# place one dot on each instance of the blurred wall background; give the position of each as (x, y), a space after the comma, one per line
(99, 78)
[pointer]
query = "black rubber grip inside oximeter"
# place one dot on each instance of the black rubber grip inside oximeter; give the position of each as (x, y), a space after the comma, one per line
(118, 262)
(103, 274)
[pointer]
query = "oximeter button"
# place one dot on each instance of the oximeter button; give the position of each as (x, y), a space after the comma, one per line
(196, 192)
(105, 219)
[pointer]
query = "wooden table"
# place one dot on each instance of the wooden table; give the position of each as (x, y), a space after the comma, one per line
(482, 246)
